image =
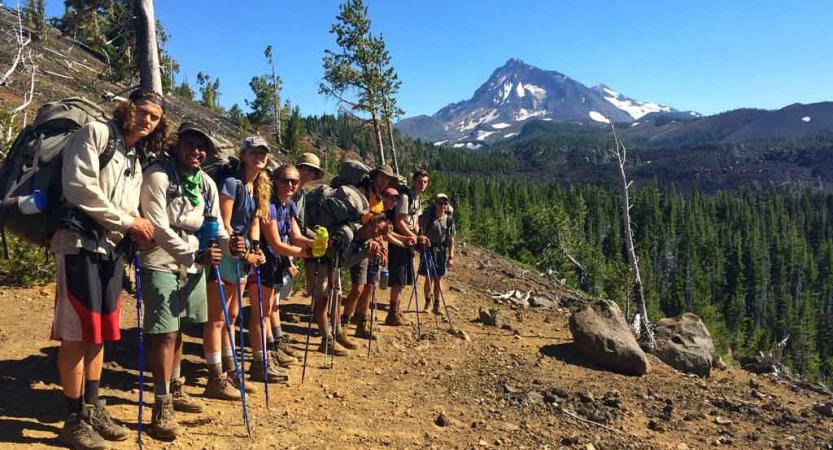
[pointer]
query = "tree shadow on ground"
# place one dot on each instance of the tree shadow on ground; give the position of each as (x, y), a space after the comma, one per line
(569, 354)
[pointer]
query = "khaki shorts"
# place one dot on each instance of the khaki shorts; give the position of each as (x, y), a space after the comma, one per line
(166, 304)
(320, 284)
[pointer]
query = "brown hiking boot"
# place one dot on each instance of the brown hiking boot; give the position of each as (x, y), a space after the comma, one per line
(248, 387)
(331, 347)
(282, 359)
(273, 373)
(283, 345)
(79, 434)
(363, 331)
(221, 389)
(163, 425)
(346, 342)
(103, 424)
(396, 319)
(182, 401)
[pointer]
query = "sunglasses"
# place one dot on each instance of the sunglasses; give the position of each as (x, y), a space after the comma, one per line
(291, 181)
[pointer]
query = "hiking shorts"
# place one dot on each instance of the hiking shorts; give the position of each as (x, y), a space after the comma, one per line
(439, 256)
(228, 270)
(400, 266)
(88, 297)
(166, 304)
(360, 273)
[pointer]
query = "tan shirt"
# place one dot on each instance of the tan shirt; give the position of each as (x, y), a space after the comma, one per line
(109, 196)
(175, 224)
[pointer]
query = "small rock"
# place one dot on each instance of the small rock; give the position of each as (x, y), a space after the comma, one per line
(754, 384)
(490, 317)
(589, 447)
(511, 427)
(824, 409)
(482, 443)
(586, 396)
(533, 398)
(722, 421)
(441, 420)
(656, 426)
(682, 446)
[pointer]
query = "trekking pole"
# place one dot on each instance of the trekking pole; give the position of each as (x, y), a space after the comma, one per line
(415, 294)
(432, 268)
(311, 313)
(331, 299)
(240, 314)
(373, 264)
(141, 347)
(233, 352)
(431, 290)
(256, 247)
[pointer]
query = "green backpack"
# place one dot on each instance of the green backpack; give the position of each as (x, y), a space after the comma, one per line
(34, 164)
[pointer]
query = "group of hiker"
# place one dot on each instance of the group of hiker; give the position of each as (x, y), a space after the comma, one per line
(203, 240)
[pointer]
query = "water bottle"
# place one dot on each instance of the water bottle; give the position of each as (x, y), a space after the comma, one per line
(209, 232)
(383, 278)
(319, 245)
(32, 204)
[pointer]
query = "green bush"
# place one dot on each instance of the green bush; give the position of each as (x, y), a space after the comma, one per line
(27, 265)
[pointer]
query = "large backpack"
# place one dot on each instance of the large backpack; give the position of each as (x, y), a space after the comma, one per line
(351, 173)
(337, 209)
(34, 163)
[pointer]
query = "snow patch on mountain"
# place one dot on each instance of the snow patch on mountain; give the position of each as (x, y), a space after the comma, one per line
(500, 126)
(806, 119)
(509, 135)
(536, 91)
(505, 90)
(458, 145)
(482, 135)
(471, 124)
(519, 89)
(636, 109)
(523, 114)
(598, 117)
(437, 144)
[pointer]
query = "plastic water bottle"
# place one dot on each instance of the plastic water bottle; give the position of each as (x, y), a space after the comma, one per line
(383, 278)
(319, 245)
(32, 204)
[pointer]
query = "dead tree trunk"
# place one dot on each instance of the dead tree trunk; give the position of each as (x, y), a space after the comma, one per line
(393, 148)
(641, 325)
(147, 52)
(377, 132)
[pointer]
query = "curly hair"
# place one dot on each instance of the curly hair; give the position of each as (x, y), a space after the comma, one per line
(157, 141)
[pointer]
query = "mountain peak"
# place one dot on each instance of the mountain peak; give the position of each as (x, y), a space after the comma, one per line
(517, 92)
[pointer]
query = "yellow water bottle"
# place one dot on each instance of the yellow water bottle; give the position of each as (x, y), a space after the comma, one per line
(319, 245)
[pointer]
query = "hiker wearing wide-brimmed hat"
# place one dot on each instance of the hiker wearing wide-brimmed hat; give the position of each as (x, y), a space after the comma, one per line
(176, 197)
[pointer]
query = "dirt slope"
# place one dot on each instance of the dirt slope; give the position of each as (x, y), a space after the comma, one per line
(503, 388)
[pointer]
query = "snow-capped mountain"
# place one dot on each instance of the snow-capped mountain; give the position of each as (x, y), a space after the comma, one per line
(518, 92)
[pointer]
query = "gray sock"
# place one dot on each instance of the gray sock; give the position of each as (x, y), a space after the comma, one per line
(175, 372)
(277, 332)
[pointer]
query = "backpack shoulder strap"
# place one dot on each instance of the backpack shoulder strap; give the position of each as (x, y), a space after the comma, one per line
(112, 145)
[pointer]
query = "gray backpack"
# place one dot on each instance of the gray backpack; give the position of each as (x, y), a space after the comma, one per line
(34, 163)
(332, 208)
(351, 173)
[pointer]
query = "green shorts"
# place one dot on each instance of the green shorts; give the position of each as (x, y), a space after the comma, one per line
(165, 304)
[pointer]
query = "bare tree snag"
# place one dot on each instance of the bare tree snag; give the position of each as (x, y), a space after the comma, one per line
(641, 326)
(393, 148)
(22, 41)
(147, 51)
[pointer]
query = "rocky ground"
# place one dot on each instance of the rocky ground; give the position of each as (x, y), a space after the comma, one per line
(520, 384)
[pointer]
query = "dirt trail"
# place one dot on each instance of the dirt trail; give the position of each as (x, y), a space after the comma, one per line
(503, 388)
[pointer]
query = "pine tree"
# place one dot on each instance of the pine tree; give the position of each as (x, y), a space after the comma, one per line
(353, 75)
(295, 132)
(34, 12)
(210, 91)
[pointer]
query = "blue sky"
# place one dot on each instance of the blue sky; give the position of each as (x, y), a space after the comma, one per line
(710, 56)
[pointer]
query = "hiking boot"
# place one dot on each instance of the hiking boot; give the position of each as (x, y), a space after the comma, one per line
(396, 319)
(273, 373)
(221, 389)
(331, 347)
(103, 424)
(163, 424)
(282, 359)
(363, 331)
(283, 345)
(346, 342)
(182, 401)
(248, 387)
(79, 434)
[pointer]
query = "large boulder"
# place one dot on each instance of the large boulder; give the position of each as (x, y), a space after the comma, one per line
(603, 337)
(685, 344)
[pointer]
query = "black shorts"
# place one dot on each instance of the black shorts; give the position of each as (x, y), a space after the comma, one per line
(271, 272)
(400, 265)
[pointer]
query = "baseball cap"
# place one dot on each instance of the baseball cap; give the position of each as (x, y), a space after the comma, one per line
(254, 142)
